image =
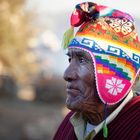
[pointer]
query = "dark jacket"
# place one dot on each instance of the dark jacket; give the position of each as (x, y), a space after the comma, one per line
(126, 126)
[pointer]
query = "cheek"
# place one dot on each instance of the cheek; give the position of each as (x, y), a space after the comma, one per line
(88, 78)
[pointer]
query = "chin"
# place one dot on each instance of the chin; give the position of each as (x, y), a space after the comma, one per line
(73, 104)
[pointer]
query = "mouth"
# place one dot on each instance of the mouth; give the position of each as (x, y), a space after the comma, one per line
(72, 91)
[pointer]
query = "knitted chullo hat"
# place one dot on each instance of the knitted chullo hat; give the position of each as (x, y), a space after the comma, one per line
(109, 36)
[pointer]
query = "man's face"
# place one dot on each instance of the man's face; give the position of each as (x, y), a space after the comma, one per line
(81, 88)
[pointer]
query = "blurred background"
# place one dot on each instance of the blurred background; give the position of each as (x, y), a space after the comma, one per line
(32, 62)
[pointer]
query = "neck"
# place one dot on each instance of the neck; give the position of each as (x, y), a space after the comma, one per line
(96, 117)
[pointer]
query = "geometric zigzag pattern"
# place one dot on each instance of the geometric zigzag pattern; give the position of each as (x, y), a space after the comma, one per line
(115, 66)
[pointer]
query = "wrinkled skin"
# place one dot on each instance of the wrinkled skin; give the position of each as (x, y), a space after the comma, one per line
(81, 88)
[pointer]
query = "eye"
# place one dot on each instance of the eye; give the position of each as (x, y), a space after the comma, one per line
(69, 59)
(82, 60)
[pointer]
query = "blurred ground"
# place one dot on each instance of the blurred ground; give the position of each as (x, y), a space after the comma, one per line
(20, 120)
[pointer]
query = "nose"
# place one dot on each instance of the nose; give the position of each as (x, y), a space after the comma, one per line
(70, 73)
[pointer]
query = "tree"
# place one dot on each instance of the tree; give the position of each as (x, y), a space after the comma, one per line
(15, 32)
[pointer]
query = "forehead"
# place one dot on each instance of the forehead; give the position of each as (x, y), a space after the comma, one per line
(78, 52)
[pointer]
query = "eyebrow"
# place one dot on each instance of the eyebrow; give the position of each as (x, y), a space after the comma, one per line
(76, 53)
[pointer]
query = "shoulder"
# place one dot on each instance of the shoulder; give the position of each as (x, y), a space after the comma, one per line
(66, 120)
(130, 113)
(134, 102)
(68, 116)
(64, 128)
(127, 123)
(132, 107)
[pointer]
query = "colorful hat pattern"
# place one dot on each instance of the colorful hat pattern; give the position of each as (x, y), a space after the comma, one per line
(109, 36)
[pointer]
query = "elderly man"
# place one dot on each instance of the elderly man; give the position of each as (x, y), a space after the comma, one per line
(104, 61)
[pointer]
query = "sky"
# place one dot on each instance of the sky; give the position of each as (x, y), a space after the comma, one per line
(56, 13)
(55, 6)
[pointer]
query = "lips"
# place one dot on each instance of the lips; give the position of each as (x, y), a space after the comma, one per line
(72, 90)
